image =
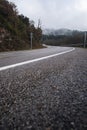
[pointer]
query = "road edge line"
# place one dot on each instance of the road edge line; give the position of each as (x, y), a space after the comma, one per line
(34, 60)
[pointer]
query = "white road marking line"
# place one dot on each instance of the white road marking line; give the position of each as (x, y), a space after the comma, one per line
(34, 60)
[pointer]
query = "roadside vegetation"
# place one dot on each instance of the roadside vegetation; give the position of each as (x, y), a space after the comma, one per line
(15, 29)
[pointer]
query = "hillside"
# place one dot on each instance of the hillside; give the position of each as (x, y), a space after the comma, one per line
(15, 29)
(62, 31)
(64, 37)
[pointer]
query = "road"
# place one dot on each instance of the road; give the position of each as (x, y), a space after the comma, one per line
(47, 94)
(10, 58)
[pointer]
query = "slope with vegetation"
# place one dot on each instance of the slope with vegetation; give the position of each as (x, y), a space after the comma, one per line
(15, 29)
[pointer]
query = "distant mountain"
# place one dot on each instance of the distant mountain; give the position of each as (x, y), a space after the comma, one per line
(63, 31)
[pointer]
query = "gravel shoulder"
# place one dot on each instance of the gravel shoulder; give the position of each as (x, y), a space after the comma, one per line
(46, 95)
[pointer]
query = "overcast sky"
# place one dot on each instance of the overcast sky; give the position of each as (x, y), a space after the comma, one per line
(55, 14)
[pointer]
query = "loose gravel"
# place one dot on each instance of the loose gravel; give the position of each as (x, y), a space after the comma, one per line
(46, 95)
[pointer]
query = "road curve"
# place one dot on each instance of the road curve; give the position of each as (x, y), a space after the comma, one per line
(38, 59)
(9, 58)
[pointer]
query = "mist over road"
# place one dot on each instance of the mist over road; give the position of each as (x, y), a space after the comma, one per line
(49, 94)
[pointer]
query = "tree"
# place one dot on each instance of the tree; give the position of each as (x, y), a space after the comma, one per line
(18, 27)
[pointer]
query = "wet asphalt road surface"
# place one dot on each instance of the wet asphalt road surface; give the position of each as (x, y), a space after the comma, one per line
(50, 94)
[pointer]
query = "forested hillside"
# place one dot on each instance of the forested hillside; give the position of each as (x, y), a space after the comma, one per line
(15, 29)
(74, 38)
